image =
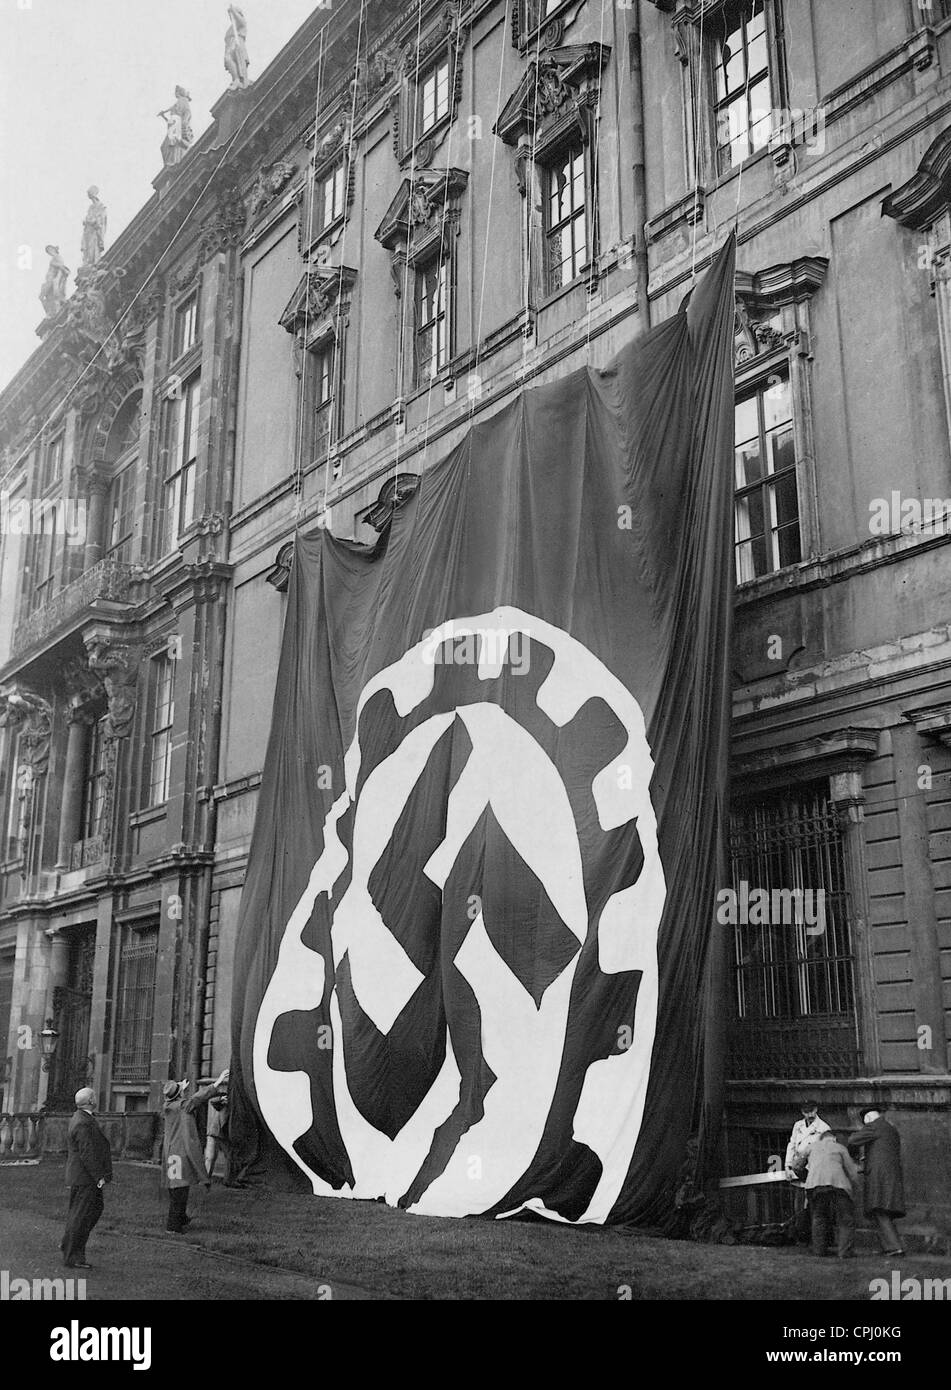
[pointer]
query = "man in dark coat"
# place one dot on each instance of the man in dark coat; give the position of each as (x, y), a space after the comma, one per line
(884, 1194)
(88, 1169)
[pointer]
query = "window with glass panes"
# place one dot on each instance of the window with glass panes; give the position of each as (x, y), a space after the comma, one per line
(162, 709)
(323, 386)
(186, 326)
(330, 197)
(94, 786)
(135, 997)
(566, 219)
(741, 80)
(46, 550)
(766, 496)
(182, 461)
(52, 463)
(432, 318)
(433, 97)
(119, 508)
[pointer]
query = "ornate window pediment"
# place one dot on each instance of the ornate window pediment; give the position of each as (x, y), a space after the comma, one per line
(426, 101)
(417, 220)
(322, 296)
(558, 94)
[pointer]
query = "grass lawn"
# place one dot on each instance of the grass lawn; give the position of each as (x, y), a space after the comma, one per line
(389, 1252)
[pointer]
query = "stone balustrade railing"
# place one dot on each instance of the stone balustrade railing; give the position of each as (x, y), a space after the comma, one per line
(21, 1136)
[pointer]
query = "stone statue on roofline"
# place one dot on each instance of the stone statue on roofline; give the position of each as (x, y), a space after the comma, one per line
(94, 229)
(178, 128)
(53, 289)
(236, 49)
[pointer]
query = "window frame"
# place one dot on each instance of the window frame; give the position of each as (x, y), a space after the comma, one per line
(756, 386)
(93, 804)
(130, 939)
(51, 472)
(158, 735)
(187, 309)
(179, 483)
(571, 150)
(443, 262)
(441, 110)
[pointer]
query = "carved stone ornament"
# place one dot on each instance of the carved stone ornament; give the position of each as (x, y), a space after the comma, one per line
(558, 87)
(89, 323)
(420, 208)
(268, 184)
(32, 716)
(118, 666)
(321, 291)
(225, 228)
(535, 23)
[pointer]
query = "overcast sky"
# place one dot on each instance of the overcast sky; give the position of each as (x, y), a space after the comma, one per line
(81, 82)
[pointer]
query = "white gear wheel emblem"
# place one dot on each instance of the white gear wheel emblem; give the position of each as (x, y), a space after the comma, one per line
(510, 773)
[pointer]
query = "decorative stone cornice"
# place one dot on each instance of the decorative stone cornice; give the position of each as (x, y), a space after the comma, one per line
(835, 753)
(790, 283)
(932, 721)
(927, 193)
(421, 218)
(197, 581)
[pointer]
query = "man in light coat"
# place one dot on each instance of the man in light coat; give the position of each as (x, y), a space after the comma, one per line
(183, 1163)
(830, 1173)
(88, 1169)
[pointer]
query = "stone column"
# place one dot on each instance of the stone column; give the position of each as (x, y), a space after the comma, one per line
(58, 972)
(97, 486)
(71, 806)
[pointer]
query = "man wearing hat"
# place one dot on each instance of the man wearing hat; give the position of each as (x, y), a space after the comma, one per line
(183, 1163)
(88, 1169)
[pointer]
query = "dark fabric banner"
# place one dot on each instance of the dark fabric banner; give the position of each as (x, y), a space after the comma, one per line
(473, 937)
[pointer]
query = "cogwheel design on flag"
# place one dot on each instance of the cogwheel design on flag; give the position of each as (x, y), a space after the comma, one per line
(418, 963)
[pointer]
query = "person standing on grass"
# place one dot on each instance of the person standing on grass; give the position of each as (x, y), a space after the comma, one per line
(830, 1173)
(183, 1163)
(884, 1190)
(88, 1169)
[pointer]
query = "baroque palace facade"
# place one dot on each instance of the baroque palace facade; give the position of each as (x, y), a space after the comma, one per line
(415, 210)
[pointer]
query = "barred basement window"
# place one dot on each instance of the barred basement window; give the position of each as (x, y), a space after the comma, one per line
(793, 987)
(566, 220)
(132, 1053)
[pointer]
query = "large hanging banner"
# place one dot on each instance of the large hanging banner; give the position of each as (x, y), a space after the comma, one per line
(470, 959)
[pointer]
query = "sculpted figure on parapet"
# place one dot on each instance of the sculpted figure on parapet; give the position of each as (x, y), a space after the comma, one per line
(94, 229)
(236, 49)
(178, 128)
(53, 289)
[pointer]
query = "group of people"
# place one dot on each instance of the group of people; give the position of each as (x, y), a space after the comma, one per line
(184, 1164)
(827, 1170)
